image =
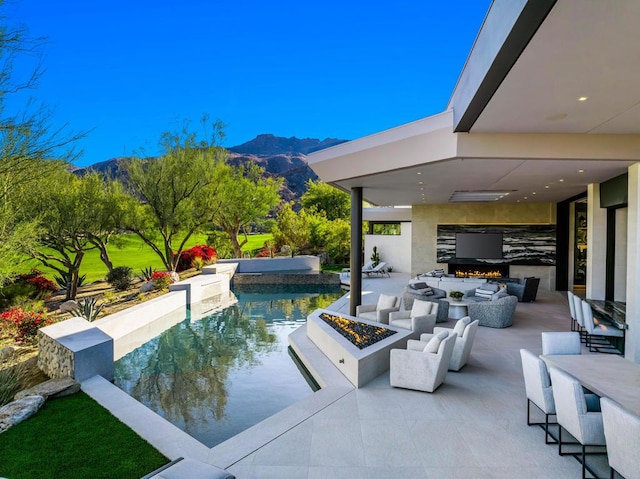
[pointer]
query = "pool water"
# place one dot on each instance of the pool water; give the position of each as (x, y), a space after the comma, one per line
(219, 375)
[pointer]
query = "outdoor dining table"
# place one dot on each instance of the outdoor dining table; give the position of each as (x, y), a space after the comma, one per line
(606, 375)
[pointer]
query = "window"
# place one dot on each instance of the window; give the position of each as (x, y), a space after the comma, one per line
(385, 228)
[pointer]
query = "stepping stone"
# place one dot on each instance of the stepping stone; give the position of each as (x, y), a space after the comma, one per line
(53, 388)
(17, 411)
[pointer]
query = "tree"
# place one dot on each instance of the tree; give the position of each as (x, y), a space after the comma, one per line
(179, 190)
(292, 229)
(246, 197)
(65, 213)
(320, 196)
(28, 147)
(111, 206)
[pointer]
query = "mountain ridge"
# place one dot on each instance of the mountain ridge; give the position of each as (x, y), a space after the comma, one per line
(279, 156)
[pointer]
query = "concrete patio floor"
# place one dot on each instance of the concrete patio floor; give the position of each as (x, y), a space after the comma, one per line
(473, 426)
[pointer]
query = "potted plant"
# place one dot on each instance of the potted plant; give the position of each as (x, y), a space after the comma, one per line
(456, 295)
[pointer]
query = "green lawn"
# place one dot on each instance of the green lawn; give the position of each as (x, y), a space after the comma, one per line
(135, 254)
(74, 437)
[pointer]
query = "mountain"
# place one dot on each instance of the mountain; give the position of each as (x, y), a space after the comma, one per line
(280, 157)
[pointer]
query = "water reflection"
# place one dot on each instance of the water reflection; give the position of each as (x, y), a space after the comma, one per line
(216, 376)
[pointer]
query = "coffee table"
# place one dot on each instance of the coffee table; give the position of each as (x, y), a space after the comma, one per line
(457, 309)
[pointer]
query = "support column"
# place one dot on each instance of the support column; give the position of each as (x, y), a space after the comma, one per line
(632, 343)
(356, 250)
(596, 244)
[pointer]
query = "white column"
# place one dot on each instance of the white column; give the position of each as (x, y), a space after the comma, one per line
(632, 346)
(596, 244)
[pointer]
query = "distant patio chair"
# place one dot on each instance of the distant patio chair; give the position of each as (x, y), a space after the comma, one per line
(380, 269)
(367, 266)
(420, 319)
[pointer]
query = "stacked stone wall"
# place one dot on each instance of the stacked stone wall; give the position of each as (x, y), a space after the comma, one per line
(55, 360)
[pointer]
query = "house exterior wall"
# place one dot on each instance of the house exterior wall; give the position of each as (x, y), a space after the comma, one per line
(391, 248)
(425, 220)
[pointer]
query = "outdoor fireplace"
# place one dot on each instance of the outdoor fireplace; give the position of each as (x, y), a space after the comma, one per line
(479, 270)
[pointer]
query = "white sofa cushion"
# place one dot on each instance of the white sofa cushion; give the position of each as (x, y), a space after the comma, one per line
(489, 287)
(434, 343)
(483, 293)
(421, 308)
(386, 301)
(460, 325)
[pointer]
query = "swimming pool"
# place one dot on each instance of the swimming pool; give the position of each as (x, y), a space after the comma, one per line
(219, 375)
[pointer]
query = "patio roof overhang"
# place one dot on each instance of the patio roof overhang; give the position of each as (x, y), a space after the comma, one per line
(515, 121)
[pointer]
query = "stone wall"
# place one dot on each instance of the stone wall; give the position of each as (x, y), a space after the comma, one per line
(54, 359)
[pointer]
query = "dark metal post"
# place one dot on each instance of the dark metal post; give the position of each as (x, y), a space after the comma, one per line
(356, 250)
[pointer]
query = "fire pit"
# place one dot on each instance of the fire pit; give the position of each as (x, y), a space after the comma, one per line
(360, 334)
(357, 347)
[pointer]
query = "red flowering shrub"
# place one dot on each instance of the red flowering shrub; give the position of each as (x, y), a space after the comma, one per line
(44, 287)
(188, 256)
(267, 251)
(161, 279)
(26, 323)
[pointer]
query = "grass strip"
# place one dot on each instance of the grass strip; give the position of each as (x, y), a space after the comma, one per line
(74, 437)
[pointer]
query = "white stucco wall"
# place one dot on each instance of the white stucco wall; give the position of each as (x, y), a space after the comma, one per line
(393, 249)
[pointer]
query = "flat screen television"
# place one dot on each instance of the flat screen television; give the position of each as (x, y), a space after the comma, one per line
(478, 245)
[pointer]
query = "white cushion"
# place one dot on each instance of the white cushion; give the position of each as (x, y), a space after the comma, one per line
(434, 343)
(421, 308)
(460, 325)
(386, 301)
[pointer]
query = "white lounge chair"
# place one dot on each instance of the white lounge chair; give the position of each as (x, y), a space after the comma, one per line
(380, 268)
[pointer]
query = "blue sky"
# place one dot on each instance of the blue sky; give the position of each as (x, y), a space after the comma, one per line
(129, 70)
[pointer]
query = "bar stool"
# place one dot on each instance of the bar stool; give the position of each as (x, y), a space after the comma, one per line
(602, 332)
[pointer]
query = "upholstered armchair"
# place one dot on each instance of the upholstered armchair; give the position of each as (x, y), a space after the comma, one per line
(465, 330)
(525, 291)
(622, 434)
(437, 296)
(425, 368)
(485, 292)
(421, 318)
(494, 314)
(380, 311)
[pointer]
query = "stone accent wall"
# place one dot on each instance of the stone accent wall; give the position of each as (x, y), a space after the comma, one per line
(54, 359)
(286, 278)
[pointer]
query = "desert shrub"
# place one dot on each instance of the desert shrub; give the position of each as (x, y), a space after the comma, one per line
(161, 279)
(26, 323)
(28, 286)
(88, 309)
(268, 250)
(146, 273)
(10, 382)
(206, 253)
(120, 278)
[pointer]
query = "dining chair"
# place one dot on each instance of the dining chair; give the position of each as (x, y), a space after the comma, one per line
(578, 414)
(602, 331)
(537, 385)
(561, 342)
(572, 311)
(622, 432)
(577, 306)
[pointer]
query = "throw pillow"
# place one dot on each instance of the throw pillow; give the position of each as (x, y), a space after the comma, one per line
(386, 301)
(460, 325)
(434, 343)
(499, 294)
(421, 308)
(418, 285)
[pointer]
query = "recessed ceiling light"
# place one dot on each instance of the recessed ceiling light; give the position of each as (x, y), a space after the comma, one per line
(419, 173)
(421, 182)
(546, 186)
(583, 98)
(580, 171)
(561, 180)
(533, 192)
(526, 197)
